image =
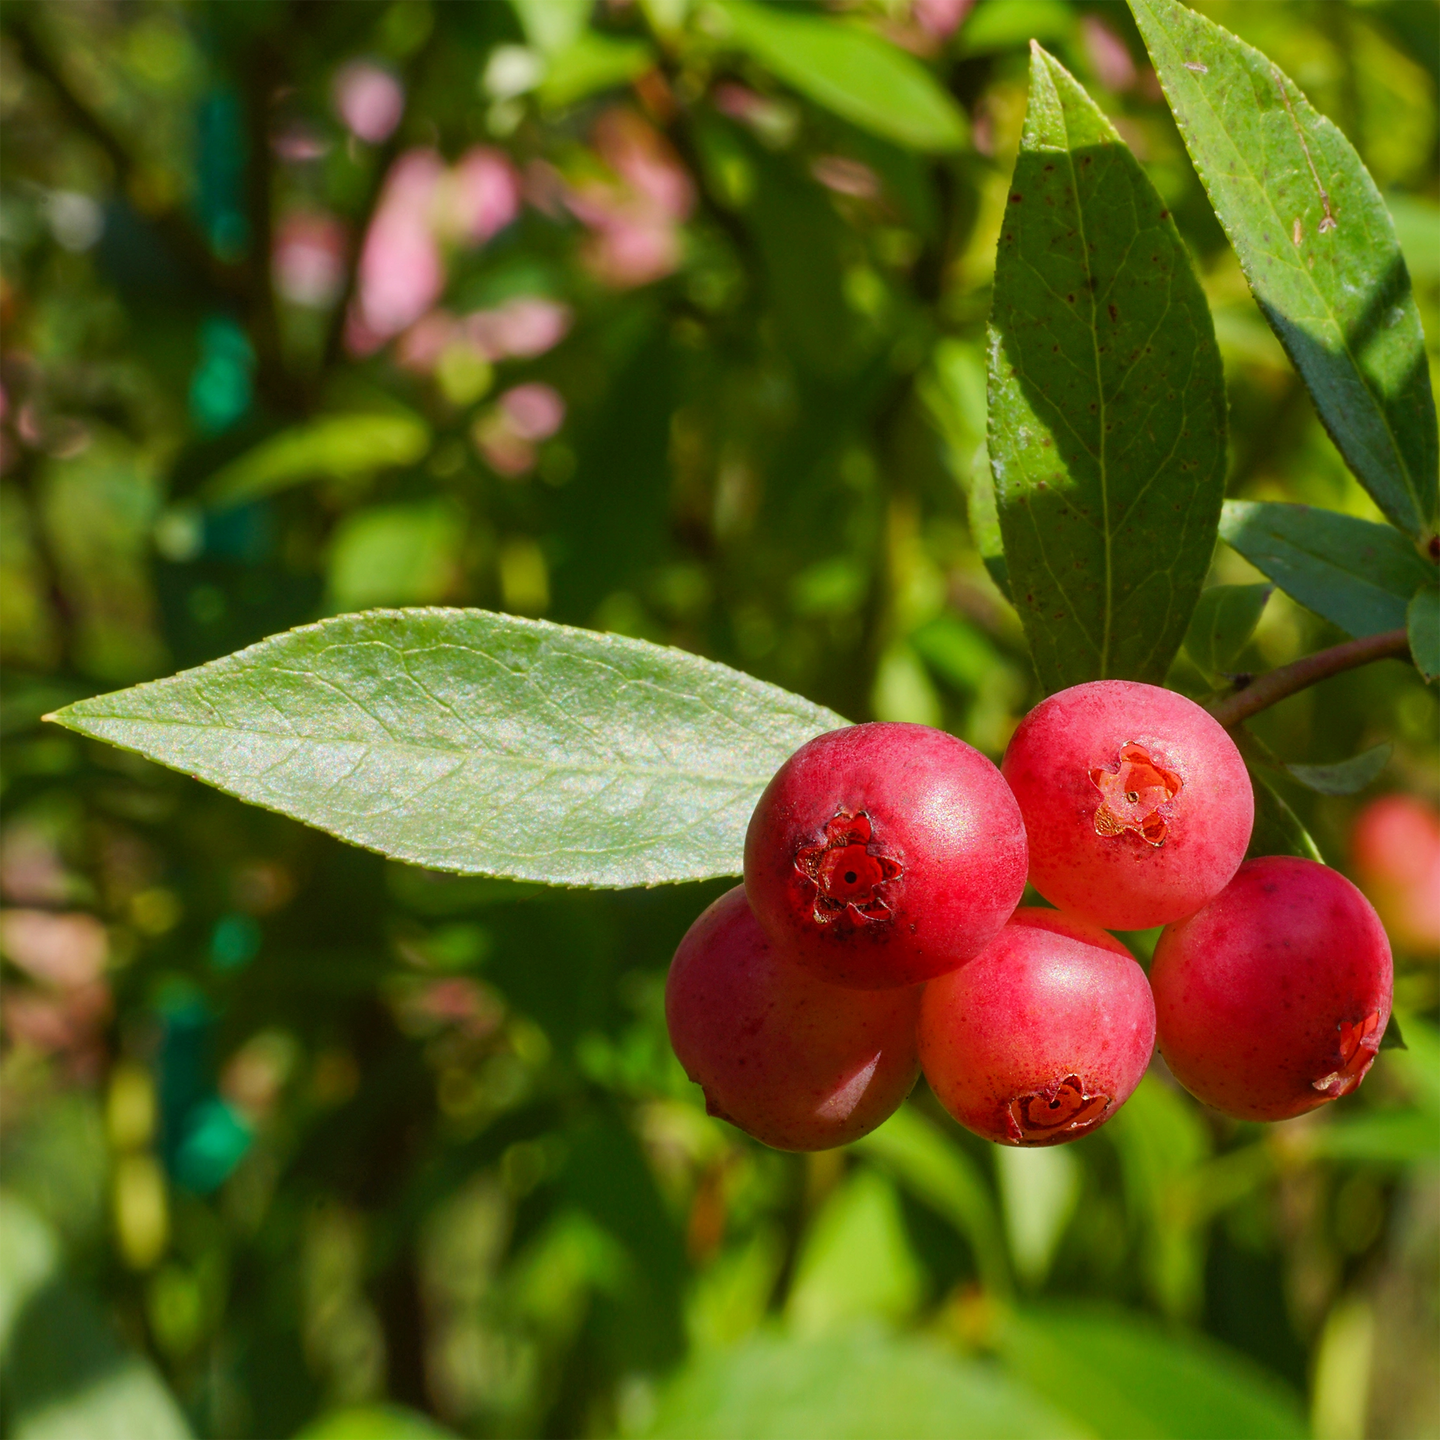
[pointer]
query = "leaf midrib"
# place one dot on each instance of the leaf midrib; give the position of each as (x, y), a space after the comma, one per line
(1278, 76)
(504, 757)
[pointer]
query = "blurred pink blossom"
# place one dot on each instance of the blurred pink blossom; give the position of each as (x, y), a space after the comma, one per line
(506, 435)
(1108, 54)
(369, 100)
(483, 193)
(846, 176)
(940, 18)
(401, 272)
(66, 1010)
(635, 220)
(65, 950)
(535, 411)
(521, 328)
(422, 345)
(309, 260)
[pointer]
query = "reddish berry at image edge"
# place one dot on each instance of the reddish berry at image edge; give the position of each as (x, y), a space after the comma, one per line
(1042, 1036)
(884, 854)
(794, 1062)
(1273, 999)
(1137, 806)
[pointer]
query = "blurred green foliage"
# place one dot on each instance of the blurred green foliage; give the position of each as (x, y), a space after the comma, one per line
(663, 318)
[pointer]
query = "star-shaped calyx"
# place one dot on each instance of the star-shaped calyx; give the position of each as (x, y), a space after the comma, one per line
(1063, 1107)
(1132, 794)
(1359, 1042)
(848, 872)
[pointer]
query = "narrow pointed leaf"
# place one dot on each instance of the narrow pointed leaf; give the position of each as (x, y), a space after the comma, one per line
(1224, 620)
(1345, 777)
(1423, 623)
(850, 71)
(1353, 573)
(1107, 405)
(1317, 245)
(1278, 829)
(479, 743)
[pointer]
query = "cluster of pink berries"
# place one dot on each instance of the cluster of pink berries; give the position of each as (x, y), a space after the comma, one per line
(877, 934)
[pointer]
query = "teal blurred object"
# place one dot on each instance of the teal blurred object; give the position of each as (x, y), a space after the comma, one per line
(221, 387)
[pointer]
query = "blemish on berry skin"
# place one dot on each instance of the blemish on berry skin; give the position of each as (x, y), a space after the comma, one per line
(1359, 1042)
(1063, 1107)
(849, 872)
(1131, 795)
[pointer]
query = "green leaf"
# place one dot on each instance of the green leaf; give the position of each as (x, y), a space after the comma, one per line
(852, 1387)
(1422, 621)
(1346, 777)
(1224, 620)
(851, 71)
(66, 1372)
(1008, 24)
(479, 743)
(1125, 1378)
(856, 1261)
(373, 1422)
(1107, 403)
(941, 1175)
(590, 63)
(337, 447)
(1381, 1137)
(1353, 573)
(1392, 1039)
(1317, 245)
(1278, 830)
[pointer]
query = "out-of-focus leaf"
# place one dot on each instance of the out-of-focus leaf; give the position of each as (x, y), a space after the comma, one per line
(1422, 622)
(1125, 1377)
(1394, 1137)
(485, 744)
(336, 447)
(851, 1387)
(1417, 227)
(856, 1261)
(1417, 1063)
(1039, 1189)
(395, 555)
(851, 71)
(591, 63)
(66, 1373)
(1317, 246)
(552, 25)
(373, 1422)
(1345, 777)
(1224, 620)
(1353, 573)
(1107, 404)
(1007, 24)
(936, 1171)
(1278, 830)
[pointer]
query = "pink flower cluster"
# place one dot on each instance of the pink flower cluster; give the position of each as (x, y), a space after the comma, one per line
(507, 434)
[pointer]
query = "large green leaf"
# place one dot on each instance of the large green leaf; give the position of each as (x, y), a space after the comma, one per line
(1423, 623)
(1278, 829)
(851, 1387)
(1224, 620)
(1317, 245)
(1353, 573)
(851, 71)
(1107, 404)
(1129, 1380)
(480, 743)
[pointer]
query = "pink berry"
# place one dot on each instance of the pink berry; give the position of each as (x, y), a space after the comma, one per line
(797, 1063)
(884, 854)
(1136, 802)
(1395, 847)
(1273, 998)
(1042, 1036)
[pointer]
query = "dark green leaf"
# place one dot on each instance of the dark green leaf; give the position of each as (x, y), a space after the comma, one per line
(1224, 620)
(1125, 1378)
(1317, 246)
(1353, 573)
(1422, 621)
(1107, 405)
(337, 447)
(1278, 830)
(1346, 777)
(479, 743)
(851, 71)
(850, 1388)
(1392, 1039)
